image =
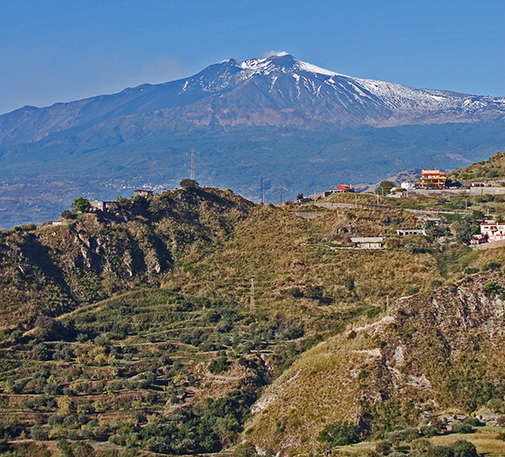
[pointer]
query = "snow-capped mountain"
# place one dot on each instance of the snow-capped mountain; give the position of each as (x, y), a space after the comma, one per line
(274, 91)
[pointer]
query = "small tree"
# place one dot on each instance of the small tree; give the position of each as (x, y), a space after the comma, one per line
(463, 448)
(463, 231)
(385, 187)
(66, 214)
(38, 433)
(81, 204)
(314, 292)
(187, 183)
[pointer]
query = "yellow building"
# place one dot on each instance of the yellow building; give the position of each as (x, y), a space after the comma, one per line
(433, 179)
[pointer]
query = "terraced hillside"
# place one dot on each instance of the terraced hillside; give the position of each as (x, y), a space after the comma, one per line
(156, 327)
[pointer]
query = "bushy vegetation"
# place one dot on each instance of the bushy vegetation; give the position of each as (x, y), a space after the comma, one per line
(492, 168)
(340, 433)
(142, 328)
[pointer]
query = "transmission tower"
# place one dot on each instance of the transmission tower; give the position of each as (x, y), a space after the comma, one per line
(192, 164)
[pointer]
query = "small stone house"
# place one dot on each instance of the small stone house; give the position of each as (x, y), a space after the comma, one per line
(368, 242)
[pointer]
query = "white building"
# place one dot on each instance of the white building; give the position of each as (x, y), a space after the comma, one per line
(411, 232)
(99, 205)
(368, 242)
(408, 185)
(495, 231)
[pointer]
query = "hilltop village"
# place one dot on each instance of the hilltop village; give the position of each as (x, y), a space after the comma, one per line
(432, 184)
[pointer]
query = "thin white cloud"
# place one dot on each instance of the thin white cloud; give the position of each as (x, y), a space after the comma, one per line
(275, 53)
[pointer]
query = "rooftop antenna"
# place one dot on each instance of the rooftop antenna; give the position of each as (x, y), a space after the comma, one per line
(192, 164)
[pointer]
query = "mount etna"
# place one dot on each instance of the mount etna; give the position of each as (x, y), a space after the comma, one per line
(300, 127)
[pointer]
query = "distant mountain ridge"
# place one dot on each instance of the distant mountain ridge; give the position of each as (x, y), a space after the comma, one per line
(274, 91)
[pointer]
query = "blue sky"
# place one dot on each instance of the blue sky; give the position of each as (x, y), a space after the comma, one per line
(60, 50)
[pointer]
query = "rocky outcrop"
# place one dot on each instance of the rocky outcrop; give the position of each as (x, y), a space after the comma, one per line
(429, 352)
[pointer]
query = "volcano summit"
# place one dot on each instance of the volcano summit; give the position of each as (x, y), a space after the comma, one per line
(276, 91)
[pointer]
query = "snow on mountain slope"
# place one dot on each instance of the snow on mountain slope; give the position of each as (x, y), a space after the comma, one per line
(278, 90)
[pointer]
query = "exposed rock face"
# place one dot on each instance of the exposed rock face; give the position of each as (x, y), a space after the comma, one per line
(57, 268)
(431, 351)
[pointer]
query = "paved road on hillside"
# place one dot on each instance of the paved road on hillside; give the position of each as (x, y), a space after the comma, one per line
(416, 211)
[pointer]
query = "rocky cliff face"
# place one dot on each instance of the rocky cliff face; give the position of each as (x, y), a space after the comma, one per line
(57, 268)
(429, 353)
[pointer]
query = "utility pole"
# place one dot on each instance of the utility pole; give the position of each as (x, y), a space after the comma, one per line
(192, 164)
(253, 304)
(261, 189)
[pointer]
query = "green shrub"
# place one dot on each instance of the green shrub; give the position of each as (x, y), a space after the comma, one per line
(16, 336)
(245, 450)
(187, 183)
(472, 421)
(491, 288)
(407, 434)
(495, 266)
(293, 332)
(428, 430)
(439, 451)
(54, 419)
(420, 444)
(42, 352)
(218, 365)
(383, 447)
(293, 291)
(314, 292)
(340, 433)
(37, 433)
(463, 448)
(373, 312)
(396, 454)
(460, 427)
